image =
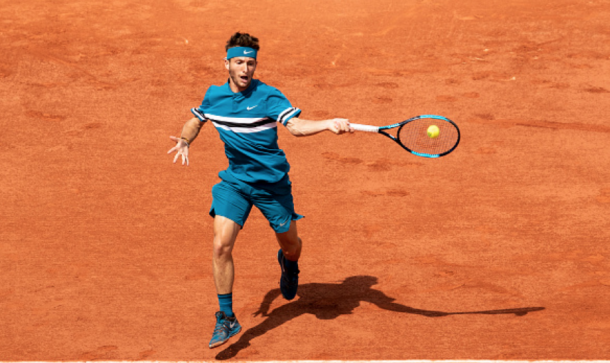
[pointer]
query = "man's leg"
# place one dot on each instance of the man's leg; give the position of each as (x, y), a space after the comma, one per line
(290, 243)
(225, 234)
(288, 256)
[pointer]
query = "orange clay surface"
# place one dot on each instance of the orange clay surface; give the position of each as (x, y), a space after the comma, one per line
(497, 251)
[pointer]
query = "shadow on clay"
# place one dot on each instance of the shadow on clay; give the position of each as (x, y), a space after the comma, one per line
(329, 301)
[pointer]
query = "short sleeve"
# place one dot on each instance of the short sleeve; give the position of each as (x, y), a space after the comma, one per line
(199, 112)
(279, 108)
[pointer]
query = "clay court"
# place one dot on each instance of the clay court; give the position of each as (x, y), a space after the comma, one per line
(496, 251)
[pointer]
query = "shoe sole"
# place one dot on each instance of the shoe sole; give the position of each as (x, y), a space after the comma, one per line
(224, 341)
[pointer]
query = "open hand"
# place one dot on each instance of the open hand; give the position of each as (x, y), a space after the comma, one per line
(181, 149)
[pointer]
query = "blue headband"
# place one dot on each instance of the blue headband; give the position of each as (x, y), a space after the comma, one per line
(241, 52)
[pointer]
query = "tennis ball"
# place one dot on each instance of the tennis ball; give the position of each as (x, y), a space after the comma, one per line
(433, 131)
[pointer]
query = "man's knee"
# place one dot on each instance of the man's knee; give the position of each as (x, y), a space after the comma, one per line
(222, 247)
(225, 234)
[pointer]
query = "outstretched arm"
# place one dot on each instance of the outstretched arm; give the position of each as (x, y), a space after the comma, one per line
(300, 127)
(189, 133)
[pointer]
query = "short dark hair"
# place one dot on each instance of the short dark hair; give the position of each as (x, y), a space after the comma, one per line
(242, 40)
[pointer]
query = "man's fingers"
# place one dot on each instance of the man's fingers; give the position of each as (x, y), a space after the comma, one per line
(180, 151)
(342, 125)
(337, 124)
(175, 139)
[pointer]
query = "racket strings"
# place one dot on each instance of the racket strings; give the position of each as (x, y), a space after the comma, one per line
(414, 136)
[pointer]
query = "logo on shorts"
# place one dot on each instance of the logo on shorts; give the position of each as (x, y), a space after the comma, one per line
(251, 108)
(283, 224)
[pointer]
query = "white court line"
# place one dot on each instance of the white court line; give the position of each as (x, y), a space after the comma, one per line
(327, 361)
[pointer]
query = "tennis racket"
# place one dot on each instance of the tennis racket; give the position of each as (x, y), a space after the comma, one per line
(412, 135)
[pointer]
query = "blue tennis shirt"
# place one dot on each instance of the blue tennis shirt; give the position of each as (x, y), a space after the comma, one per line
(247, 124)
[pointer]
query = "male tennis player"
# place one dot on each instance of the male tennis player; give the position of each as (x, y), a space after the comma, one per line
(246, 112)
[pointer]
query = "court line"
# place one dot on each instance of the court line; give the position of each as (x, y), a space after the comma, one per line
(330, 361)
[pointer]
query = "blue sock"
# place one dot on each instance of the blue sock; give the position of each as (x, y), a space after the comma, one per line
(226, 304)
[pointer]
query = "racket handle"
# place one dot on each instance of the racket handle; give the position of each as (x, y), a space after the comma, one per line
(365, 128)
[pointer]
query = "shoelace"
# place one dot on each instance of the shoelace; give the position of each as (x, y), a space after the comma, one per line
(220, 327)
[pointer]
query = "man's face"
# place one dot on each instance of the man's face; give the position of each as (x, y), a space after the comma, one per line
(241, 70)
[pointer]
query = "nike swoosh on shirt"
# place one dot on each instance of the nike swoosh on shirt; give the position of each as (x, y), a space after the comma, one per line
(250, 108)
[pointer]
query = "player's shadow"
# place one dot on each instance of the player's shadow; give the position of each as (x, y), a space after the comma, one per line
(329, 301)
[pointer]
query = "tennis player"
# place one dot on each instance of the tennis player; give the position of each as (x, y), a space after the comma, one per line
(246, 113)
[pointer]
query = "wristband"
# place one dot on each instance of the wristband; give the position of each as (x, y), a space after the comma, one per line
(188, 143)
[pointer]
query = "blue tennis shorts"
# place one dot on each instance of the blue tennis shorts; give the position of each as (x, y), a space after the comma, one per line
(234, 199)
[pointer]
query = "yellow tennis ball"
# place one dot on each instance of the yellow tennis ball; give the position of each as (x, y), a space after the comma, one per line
(433, 131)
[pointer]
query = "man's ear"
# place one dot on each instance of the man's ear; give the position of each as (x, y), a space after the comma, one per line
(227, 64)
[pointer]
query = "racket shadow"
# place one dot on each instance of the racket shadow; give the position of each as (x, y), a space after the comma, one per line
(329, 301)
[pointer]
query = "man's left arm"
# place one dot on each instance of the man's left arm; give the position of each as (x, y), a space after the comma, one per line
(301, 127)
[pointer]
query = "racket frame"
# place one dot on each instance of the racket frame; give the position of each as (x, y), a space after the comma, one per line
(400, 125)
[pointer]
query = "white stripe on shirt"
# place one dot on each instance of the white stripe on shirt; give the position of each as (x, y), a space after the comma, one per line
(246, 130)
(288, 116)
(237, 120)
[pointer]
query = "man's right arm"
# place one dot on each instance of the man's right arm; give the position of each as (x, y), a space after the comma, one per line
(301, 127)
